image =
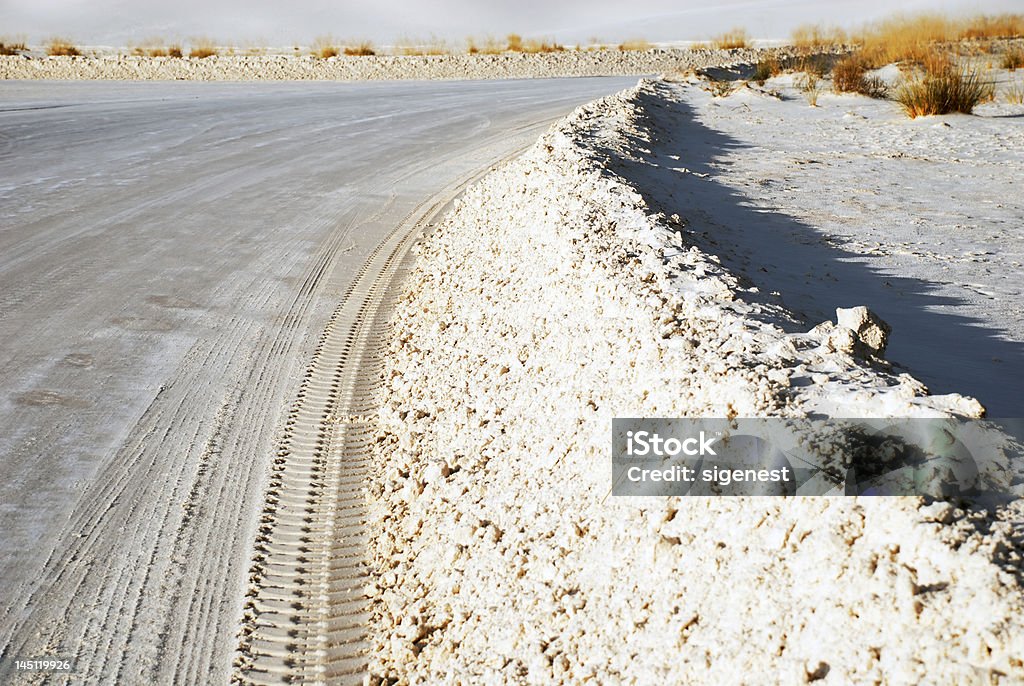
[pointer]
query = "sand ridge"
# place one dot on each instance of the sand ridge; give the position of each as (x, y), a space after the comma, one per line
(378, 67)
(552, 299)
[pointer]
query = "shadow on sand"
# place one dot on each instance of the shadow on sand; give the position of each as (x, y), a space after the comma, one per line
(948, 351)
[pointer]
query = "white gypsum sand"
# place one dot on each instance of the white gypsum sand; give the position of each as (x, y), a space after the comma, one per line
(554, 297)
(852, 202)
(509, 65)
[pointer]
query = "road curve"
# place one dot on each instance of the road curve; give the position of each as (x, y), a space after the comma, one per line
(171, 256)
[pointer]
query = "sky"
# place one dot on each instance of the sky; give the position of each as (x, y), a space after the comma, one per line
(286, 22)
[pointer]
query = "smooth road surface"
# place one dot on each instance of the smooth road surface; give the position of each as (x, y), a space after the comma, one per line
(169, 254)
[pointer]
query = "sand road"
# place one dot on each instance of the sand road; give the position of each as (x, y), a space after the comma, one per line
(170, 254)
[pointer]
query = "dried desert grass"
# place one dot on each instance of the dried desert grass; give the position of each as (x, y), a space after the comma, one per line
(154, 47)
(766, 69)
(988, 27)
(1014, 93)
(719, 88)
(1013, 58)
(488, 45)
(809, 83)
(953, 90)
(849, 75)
(730, 40)
(203, 48)
(62, 47)
(517, 43)
(429, 46)
(325, 47)
(15, 47)
(905, 38)
(361, 49)
(809, 37)
(635, 44)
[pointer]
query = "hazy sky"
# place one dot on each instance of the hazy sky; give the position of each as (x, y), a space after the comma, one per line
(282, 22)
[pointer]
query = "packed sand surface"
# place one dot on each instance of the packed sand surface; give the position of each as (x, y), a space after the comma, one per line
(378, 67)
(570, 287)
(168, 262)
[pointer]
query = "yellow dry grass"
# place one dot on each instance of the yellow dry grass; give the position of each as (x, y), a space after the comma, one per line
(914, 38)
(516, 43)
(15, 47)
(325, 47)
(950, 90)
(815, 37)
(362, 49)
(635, 44)
(62, 47)
(1013, 59)
(1014, 93)
(429, 46)
(154, 47)
(202, 48)
(730, 40)
(488, 45)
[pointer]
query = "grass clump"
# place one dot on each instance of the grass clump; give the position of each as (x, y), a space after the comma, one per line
(809, 83)
(998, 26)
(766, 69)
(874, 87)
(324, 47)
(634, 45)
(1013, 59)
(489, 45)
(809, 37)
(513, 43)
(730, 40)
(14, 48)
(203, 48)
(719, 88)
(1015, 94)
(432, 46)
(363, 49)
(906, 38)
(61, 47)
(953, 90)
(155, 48)
(818, 65)
(532, 45)
(849, 75)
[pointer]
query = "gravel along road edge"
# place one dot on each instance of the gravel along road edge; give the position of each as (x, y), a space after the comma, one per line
(564, 290)
(307, 607)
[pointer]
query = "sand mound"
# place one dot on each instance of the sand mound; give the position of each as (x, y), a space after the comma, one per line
(346, 68)
(552, 299)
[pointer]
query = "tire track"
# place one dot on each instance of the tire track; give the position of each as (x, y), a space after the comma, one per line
(306, 609)
(130, 504)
